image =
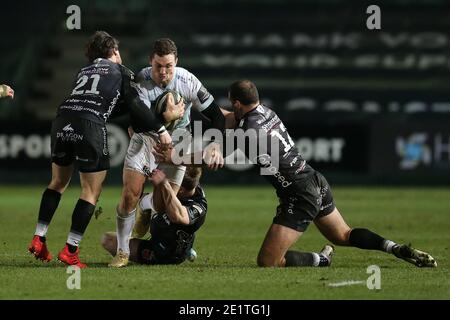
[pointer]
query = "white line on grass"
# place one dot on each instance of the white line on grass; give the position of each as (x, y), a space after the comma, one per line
(345, 283)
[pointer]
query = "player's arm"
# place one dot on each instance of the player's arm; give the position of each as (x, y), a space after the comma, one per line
(214, 114)
(6, 91)
(142, 117)
(165, 199)
(211, 156)
(230, 120)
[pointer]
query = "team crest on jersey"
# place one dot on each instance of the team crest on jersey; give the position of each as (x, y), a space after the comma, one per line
(68, 128)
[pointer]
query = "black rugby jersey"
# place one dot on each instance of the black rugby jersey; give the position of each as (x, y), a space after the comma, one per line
(176, 238)
(105, 88)
(291, 169)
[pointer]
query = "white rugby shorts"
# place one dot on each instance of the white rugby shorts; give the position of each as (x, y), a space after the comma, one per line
(140, 158)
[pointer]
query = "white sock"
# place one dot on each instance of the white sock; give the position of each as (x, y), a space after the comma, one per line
(316, 259)
(74, 239)
(41, 229)
(124, 229)
(388, 245)
(146, 202)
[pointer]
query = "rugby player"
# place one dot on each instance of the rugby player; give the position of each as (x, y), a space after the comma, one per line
(6, 91)
(79, 136)
(173, 221)
(163, 74)
(304, 194)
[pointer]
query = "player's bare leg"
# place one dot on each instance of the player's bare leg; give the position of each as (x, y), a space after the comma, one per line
(334, 228)
(109, 243)
(274, 250)
(133, 182)
(60, 177)
(49, 203)
(91, 187)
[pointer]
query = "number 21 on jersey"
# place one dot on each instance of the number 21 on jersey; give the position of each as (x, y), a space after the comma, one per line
(81, 83)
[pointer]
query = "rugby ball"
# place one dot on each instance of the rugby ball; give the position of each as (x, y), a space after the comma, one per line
(161, 104)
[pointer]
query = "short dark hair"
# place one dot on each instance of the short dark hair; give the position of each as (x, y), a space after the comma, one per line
(244, 91)
(163, 47)
(101, 45)
(191, 177)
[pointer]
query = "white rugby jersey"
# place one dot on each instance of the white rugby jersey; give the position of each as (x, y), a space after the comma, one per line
(191, 89)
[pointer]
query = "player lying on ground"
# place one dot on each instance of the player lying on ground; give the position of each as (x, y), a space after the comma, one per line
(304, 194)
(162, 75)
(172, 222)
(79, 137)
(6, 91)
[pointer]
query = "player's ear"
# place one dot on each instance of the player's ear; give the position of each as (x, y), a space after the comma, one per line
(176, 60)
(117, 55)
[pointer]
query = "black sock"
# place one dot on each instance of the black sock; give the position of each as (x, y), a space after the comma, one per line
(49, 204)
(366, 239)
(304, 259)
(81, 216)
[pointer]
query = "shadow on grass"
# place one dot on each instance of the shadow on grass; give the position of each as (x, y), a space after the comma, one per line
(53, 264)
(33, 264)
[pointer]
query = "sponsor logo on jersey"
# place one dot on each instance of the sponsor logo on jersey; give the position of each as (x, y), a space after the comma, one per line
(264, 161)
(270, 124)
(69, 134)
(105, 141)
(111, 106)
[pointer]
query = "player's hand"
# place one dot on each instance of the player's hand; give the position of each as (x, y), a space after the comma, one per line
(165, 139)
(130, 132)
(157, 177)
(173, 111)
(6, 91)
(212, 156)
(163, 153)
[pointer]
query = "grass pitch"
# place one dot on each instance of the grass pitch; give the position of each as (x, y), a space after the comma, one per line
(227, 245)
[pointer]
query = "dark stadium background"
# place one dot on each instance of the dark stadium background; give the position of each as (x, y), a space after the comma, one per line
(369, 108)
(364, 106)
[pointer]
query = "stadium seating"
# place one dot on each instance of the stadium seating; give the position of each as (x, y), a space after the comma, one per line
(305, 63)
